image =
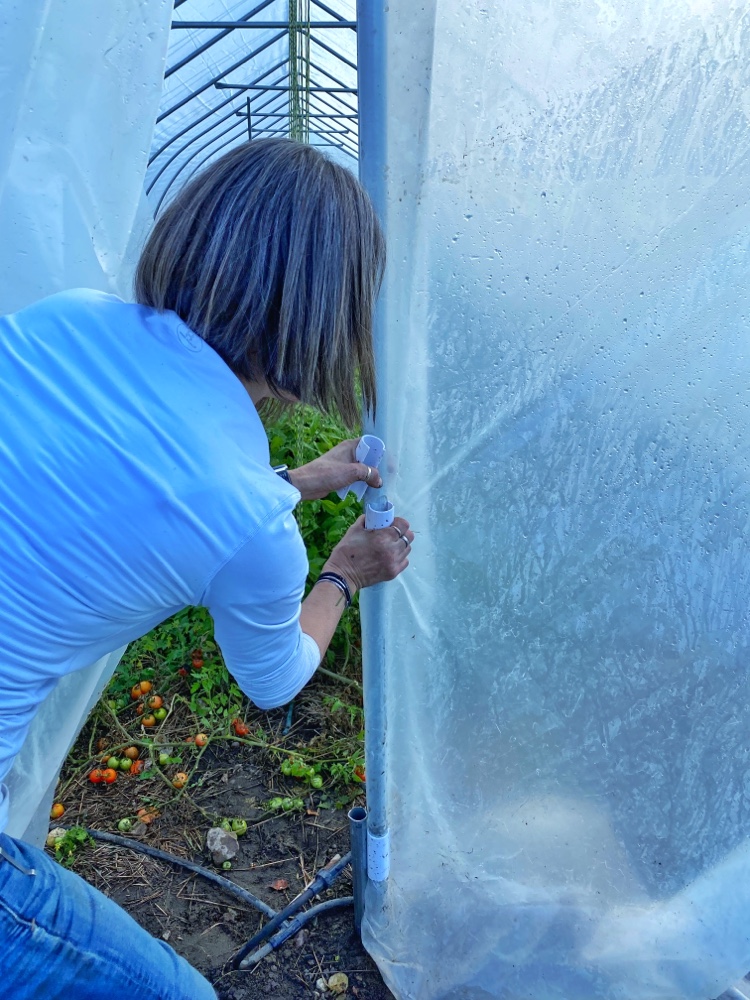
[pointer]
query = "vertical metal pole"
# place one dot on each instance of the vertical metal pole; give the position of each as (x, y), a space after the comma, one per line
(249, 121)
(358, 838)
(371, 64)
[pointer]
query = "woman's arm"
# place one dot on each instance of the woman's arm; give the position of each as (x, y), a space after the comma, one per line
(272, 644)
(332, 471)
(362, 558)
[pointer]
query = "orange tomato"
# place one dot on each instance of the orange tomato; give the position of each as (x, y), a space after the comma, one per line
(109, 775)
(145, 686)
(156, 701)
(131, 753)
(136, 691)
(57, 810)
(197, 664)
(180, 779)
(201, 740)
(138, 767)
(95, 777)
(148, 721)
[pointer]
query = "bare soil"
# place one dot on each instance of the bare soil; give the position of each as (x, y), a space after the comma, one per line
(198, 918)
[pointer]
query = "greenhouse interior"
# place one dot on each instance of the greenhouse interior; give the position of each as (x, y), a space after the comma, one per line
(556, 741)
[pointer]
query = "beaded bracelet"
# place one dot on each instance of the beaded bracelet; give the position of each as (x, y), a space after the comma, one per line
(340, 582)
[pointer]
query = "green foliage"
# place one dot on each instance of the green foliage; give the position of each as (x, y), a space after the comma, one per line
(162, 653)
(69, 844)
(215, 697)
(355, 713)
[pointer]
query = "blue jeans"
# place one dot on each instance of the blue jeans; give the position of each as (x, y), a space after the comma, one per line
(61, 939)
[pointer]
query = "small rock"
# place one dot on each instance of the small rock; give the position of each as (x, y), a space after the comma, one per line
(230, 916)
(54, 835)
(299, 940)
(320, 985)
(222, 845)
(166, 935)
(338, 983)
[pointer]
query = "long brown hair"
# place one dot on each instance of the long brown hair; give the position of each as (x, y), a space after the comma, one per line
(274, 255)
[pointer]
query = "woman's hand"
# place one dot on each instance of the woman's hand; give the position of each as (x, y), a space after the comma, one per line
(332, 471)
(364, 557)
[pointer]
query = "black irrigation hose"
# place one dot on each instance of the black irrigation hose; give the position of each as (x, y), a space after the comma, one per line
(295, 924)
(231, 887)
(323, 880)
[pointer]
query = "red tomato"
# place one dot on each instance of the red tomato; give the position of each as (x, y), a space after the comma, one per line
(240, 727)
(109, 775)
(201, 740)
(138, 767)
(197, 664)
(156, 701)
(96, 776)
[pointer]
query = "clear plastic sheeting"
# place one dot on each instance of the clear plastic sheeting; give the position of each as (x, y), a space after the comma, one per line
(566, 388)
(80, 86)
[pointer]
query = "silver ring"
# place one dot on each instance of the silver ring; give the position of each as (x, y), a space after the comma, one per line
(369, 473)
(399, 533)
(405, 540)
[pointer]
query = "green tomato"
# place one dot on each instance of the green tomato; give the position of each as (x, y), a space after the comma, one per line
(286, 766)
(287, 803)
(226, 865)
(226, 825)
(164, 759)
(125, 825)
(276, 804)
(160, 714)
(113, 762)
(239, 826)
(125, 764)
(316, 781)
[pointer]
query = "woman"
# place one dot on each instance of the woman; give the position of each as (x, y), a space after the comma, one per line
(135, 480)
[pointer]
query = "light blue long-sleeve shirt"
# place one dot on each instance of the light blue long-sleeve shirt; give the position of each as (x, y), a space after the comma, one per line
(134, 481)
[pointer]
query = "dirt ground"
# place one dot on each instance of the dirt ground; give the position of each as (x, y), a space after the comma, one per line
(198, 918)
